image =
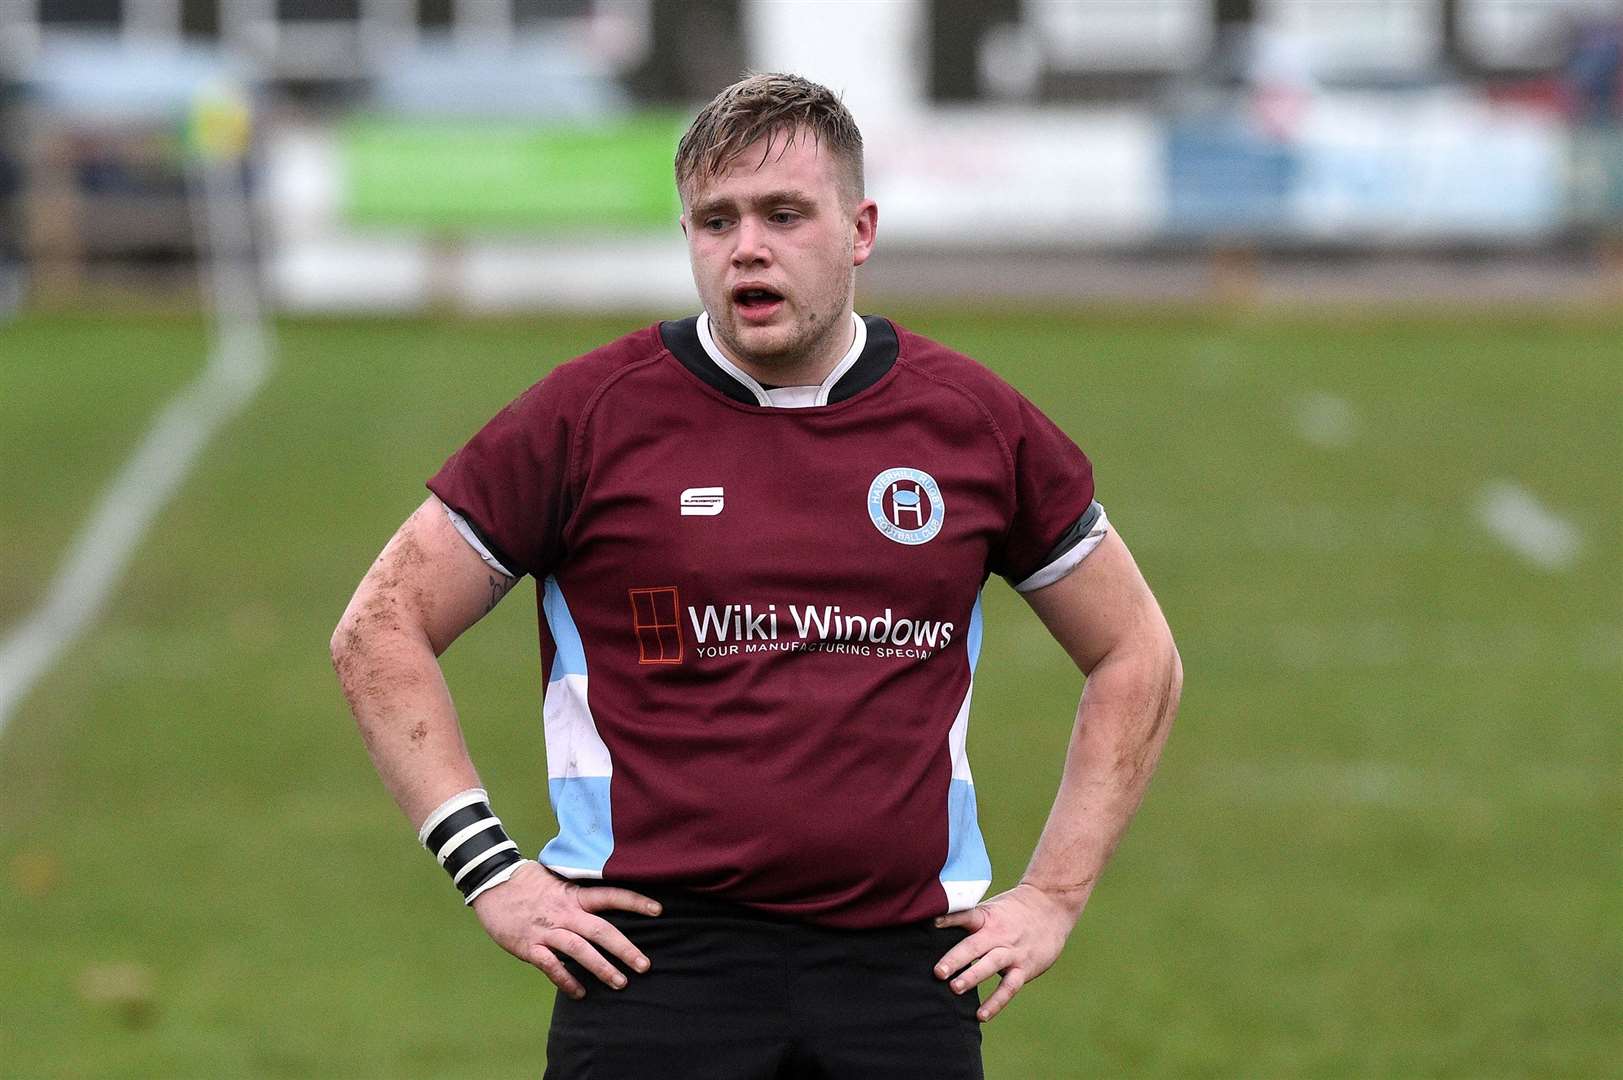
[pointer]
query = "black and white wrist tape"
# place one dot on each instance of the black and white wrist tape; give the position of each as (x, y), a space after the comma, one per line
(469, 841)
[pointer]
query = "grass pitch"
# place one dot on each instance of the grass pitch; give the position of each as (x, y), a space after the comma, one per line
(1383, 842)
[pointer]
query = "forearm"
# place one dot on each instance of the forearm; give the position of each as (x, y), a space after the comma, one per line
(1122, 723)
(1105, 617)
(397, 693)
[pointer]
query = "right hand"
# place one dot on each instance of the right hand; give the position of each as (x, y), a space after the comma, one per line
(535, 915)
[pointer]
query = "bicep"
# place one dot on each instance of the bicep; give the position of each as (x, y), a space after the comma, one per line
(428, 578)
(1103, 605)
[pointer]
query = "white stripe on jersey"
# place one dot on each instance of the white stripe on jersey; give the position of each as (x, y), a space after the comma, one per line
(574, 748)
(477, 544)
(1071, 559)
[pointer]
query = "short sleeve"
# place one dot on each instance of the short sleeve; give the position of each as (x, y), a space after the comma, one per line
(510, 483)
(1055, 520)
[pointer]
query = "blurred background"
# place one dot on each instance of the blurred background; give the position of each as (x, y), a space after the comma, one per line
(1330, 290)
(507, 154)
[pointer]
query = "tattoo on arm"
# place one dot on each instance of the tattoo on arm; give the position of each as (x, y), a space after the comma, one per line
(498, 589)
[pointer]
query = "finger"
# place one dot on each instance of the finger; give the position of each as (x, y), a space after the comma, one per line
(961, 955)
(579, 950)
(605, 935)
(1013, 980)
(553, 968)
(994, 961)
(974, 918)
(609, 898)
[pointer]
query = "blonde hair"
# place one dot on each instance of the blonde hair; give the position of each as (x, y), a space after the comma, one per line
(768, 106)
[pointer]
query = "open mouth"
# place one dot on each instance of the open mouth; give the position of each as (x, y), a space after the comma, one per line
(756, 302)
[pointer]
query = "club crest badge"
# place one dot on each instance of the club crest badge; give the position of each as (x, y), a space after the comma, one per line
(905, 505)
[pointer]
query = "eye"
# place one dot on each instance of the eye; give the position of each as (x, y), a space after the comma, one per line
(715, 224)
(783, 217)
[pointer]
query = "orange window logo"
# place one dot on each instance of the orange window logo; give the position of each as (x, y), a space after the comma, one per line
(656, 617)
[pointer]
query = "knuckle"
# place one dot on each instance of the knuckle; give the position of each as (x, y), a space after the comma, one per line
(583, 954)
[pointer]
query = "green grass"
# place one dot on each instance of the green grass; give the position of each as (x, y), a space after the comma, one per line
(1384, 840)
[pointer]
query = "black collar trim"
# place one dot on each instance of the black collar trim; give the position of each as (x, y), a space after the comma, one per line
(681, 336)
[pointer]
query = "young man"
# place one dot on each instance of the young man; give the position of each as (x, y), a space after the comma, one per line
(760, 536)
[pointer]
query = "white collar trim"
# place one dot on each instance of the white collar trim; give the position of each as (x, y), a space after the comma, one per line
(786, 397)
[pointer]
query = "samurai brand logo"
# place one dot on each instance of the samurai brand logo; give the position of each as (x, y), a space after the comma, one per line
(905, 505)
(702, 502)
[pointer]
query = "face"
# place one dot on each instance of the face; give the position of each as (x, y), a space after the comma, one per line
(774, 247)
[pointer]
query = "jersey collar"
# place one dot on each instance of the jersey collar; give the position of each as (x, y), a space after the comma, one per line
(873, 351)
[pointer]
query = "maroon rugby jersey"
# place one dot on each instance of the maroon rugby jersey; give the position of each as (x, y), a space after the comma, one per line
(760, 609)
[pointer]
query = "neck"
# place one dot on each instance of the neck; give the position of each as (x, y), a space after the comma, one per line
(807, 369)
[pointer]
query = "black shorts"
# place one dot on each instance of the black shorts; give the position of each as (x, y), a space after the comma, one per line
(735, 994)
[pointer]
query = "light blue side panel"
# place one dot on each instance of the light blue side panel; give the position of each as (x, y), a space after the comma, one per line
(571, 658)
(581, 803)
(585, 830)
(966, 850)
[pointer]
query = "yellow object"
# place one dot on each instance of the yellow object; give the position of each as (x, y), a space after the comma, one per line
(220, 123)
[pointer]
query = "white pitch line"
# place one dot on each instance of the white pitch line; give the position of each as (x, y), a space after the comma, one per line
(1519, 521)
(239, 363)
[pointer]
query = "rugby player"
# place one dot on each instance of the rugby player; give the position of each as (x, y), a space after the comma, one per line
(760, 535)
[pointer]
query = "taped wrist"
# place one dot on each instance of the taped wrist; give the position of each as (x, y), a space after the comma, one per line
(469, 841)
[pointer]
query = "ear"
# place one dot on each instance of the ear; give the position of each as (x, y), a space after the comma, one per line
(682, 222)
(866, 226)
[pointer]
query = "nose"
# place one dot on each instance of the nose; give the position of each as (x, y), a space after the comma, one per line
(749, 243)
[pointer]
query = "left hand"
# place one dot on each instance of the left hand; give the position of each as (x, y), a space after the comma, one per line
(1017, 934)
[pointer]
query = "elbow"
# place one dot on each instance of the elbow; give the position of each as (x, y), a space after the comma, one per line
(1174, 672)
(366, 622)
(343, 645)
(362, 667)
(374, 650)
(354, 638)
(337, 644)
(1174, 687)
